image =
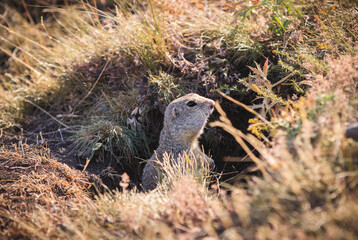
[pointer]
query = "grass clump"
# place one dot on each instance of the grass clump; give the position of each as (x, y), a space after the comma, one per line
(165, 87)
(184, 167)
(112, 143)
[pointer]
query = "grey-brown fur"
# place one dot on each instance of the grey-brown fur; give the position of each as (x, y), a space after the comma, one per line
(182, 127)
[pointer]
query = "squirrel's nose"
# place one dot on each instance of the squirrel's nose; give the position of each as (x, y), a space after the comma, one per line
(212, 105)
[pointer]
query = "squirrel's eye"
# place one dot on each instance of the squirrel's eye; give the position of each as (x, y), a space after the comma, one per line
(191, 103)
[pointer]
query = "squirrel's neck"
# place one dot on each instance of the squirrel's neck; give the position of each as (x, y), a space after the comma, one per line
(176, 143)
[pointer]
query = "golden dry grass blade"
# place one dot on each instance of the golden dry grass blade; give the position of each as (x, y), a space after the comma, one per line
(10, 54)
(265, 68)
(95, 83)
(283, 79)
(246, 108)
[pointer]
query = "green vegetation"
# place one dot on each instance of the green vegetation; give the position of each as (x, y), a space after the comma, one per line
(86, 83)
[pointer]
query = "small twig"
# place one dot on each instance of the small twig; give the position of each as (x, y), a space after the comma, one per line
(12, 168)
(282, 80)
(37, 106)
(86, 165)
(59, 130)
(109, 102)
(100, 75)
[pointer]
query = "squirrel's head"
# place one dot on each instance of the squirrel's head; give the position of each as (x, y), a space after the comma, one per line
(186, 116)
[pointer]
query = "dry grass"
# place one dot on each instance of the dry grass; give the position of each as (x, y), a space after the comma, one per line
(31, 178)
(101, 79)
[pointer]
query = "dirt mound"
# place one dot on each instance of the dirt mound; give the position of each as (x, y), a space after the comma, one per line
(31, 176)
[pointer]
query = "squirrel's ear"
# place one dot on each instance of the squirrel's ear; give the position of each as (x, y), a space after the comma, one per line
(175, 112)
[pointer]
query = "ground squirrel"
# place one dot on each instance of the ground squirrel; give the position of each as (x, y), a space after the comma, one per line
(184, 121)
